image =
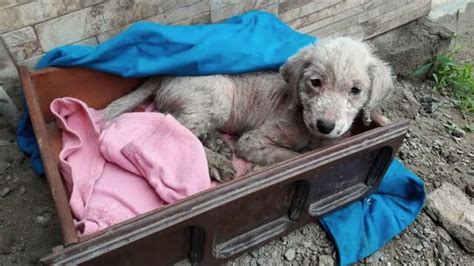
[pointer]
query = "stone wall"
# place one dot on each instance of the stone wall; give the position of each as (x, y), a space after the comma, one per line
(29, 28)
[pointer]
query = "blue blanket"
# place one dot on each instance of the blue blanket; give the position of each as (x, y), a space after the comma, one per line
(365, 226)
(249, 42)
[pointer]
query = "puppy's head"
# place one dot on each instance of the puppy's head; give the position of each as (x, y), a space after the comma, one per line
(333, 80)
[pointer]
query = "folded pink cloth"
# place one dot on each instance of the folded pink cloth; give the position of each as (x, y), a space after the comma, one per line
(133, 164)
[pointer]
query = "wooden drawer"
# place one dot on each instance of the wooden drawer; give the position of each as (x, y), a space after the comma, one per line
(220, 223)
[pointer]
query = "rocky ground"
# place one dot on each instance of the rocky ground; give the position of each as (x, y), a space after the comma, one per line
(28, 228)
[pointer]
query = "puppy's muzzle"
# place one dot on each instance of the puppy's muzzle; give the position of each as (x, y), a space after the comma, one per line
(325, 126)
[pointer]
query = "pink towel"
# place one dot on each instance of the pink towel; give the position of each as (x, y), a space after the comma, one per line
(132, 165)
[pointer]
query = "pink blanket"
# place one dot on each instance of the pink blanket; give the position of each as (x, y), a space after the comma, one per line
(133, 164)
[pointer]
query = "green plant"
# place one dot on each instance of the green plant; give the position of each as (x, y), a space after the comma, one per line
(451, 76)
(454, 129)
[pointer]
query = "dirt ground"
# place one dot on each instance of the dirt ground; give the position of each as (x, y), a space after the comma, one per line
(28, 227)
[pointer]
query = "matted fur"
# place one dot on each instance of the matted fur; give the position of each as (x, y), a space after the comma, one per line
(315, 97)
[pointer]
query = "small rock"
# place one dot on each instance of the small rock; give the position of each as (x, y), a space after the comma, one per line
(429, 99)
(327, 250)
(418, 247)
(431, 262)
(458, 170)
(444, 234)
(444, 153)
(430, 104)
(290, 254)
(253, 262)
(452, 159)
(443, 250)
(5, 192)
(22, 190)
(326, 260)
(43, 220)
(450, 207)
(437, 143)
(306, 262)
(428, 231)
(431, 108)
(426, 244)
(456, 133)
(374, 258)
(254, 253)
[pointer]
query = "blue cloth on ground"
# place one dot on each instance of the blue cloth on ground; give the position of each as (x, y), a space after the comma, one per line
(26, 141)
(248, 42)
(365, 226)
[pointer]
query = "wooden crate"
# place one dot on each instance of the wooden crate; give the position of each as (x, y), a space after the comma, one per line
(220, 223)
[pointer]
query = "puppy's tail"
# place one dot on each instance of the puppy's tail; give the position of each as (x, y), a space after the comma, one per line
(131, 100)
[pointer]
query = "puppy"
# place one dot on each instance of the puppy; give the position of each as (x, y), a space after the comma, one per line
(315, 97)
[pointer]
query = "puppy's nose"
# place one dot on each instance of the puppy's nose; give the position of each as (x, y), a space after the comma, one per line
(325, 126)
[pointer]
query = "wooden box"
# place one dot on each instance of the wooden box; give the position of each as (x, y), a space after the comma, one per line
(218, 224)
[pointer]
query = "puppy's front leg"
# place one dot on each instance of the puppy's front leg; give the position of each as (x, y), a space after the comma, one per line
(259, 149)
(220, 167)
(215, 141)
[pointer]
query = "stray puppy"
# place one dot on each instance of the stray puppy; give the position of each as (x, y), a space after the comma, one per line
(316, 96)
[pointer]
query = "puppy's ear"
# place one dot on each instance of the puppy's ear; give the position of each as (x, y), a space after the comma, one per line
(381, 86)
(292, 70)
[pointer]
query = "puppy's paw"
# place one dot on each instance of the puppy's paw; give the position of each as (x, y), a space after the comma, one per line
(218, 144)
(220, 168)
(222, 174)
(254, 168)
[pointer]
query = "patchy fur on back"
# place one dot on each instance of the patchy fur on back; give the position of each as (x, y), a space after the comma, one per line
(314, 98)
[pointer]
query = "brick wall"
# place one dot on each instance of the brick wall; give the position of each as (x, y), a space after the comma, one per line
(29, 28)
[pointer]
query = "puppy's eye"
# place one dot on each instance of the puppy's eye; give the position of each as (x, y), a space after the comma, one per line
(355, 90)
(316, 82)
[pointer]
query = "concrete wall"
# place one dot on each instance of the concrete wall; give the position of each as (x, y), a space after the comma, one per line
(29, 28)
